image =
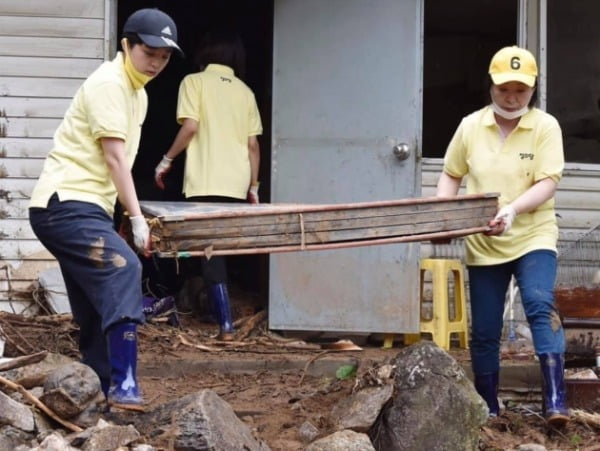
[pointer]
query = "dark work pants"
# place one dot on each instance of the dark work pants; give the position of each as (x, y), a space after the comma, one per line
(102, 273)
(214, 270)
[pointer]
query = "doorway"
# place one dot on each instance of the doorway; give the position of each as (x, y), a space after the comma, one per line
(460, 39)
(253, 19)
(573, 65)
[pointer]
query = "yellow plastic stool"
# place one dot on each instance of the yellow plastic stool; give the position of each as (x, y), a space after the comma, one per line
(388, 341)
(440, 326)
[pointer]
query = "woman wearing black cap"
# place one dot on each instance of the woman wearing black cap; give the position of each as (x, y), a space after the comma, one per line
(72, 204)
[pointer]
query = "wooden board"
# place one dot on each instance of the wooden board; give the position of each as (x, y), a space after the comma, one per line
(52, 47)
(65, 27)
(181, 229)
(25, 147)
(579, 302)
(577, 197)
(22, 167)
(19, 107)
(31, 127)
(66, 8)
(31, 87)
(23, 66)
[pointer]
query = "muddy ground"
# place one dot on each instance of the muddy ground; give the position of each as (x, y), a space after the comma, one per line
(275, 386)
(273, 381)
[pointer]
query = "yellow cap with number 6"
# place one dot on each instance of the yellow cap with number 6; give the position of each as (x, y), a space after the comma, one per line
(513, 64)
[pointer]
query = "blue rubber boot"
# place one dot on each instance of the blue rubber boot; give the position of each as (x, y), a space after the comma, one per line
(220, 301)
(554, 391)
(487, 387)
(153, 307)
(122, 350)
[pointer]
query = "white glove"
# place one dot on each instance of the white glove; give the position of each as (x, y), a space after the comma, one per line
(163, 167)
(141, 233)
(253, 194)
(507, 215)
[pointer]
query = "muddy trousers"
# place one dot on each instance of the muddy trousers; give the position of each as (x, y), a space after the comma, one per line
(535, 273)
(101, 273)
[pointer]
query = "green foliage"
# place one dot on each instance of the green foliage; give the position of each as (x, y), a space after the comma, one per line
(346, 372)
(575, 439)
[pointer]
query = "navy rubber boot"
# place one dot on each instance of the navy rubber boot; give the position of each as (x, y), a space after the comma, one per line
(122, 349)
(554, 391)
(220, 300)
(487, 387)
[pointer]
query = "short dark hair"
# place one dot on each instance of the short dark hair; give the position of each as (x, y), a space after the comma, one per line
(133, 38)
(222, 47)
(488, 98)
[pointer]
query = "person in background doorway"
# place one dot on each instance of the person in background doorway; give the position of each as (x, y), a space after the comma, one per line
(73, 202)
(513, 148)
(220, 123)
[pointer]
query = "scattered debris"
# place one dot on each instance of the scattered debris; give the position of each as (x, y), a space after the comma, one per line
(284, 409)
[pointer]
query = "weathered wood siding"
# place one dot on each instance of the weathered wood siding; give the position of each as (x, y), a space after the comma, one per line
(47, 49)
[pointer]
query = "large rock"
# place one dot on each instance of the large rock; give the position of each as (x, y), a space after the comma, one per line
(105, 436)
(200, 421)
(342, 441)
(110, 437)
(434, 406)
(15, 414)
(11, 438)
(73, 391)
(54, 442)
(360, 410)
(35, 375)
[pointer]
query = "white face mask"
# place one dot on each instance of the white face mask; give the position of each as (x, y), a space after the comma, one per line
(509, 114)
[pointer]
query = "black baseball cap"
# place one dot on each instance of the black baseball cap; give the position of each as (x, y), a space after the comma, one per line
(154, 27)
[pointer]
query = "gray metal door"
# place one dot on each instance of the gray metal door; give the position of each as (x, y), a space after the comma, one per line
(346, 128)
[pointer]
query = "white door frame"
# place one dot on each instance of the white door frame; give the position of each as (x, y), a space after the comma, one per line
(531, 34)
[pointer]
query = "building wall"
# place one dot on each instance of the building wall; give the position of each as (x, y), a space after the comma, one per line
(47, 48)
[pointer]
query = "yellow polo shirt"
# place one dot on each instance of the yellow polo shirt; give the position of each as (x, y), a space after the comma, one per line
(532, 152)
(105, 106)
(217, 162)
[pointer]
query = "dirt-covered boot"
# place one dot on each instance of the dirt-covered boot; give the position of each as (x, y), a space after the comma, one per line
(554, 391)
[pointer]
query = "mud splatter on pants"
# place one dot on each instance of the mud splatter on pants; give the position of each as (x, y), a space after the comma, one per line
(102, 273)
(535, 273)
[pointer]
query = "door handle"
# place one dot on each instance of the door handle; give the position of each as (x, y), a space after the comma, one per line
(401, 151)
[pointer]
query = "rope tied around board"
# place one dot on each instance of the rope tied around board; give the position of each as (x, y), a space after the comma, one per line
(302, 236)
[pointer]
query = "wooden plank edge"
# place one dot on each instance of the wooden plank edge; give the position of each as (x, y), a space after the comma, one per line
(327, 246)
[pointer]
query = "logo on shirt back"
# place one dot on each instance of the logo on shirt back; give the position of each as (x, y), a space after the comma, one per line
(526, 156)
(228, 80)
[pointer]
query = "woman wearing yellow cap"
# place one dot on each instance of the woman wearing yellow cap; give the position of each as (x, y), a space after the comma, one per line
(513, 148)
(73, 202)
